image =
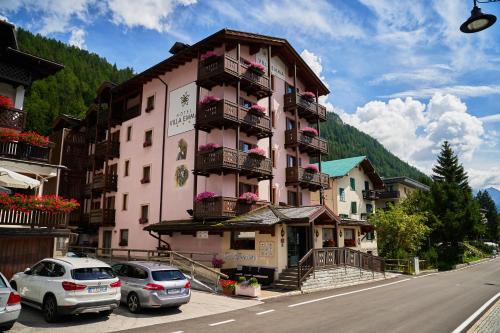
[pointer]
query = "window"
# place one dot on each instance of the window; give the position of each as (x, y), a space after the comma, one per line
(125, 201)
(146, 174)
(167, 275)
(110, 202)
(290, 161)
(353, 183)
(253, 188)
(144, 214)
(245, 146)
(354, 207)
(148, 138)
(293, 199)
(129, 133)
(367, 185)
(348, 233)
(245, 103)
(288, 88)
(274, 196)
(370, 235)
(113, 169)
(137, 273)
(273, 157)
(273, 119)
(342, 194)
(115, 136)
(369, 208)
(126, 168)
(92, 273)
(290, 124)
(123, 237)
(49, 269)
(243, 240)
(343, 216)
(150, 104)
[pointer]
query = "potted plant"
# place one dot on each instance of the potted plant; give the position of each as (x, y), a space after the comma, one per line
(257, 68)
(310, 131)
(205, 196)
(46, 203)
(258, 110)
(209, 147)
(249, 198)
(6, 102)
(228, 286)
(308, 96)
(257, 152)
(208, 57)
(217, 263)
(311, 168)
(249, 287)
(209, 101)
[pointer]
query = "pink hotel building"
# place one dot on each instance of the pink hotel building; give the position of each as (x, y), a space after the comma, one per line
(193, 123)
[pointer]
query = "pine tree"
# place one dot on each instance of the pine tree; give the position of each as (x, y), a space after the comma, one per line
(491, 214)
(448, 169)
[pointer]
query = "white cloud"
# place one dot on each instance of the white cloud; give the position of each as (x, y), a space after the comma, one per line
(314, 61)
(483, 178)
(459, 90)
(491, 119)
(77, 38)
(436, 74)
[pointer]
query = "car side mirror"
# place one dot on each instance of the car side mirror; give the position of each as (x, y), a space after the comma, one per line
(27, 271)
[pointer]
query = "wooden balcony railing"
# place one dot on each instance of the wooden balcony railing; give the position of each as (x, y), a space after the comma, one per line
(12, 118)
(107, 149)
(370, 195)
(305, 179)
(388, 194)
(349, 242)
(306, 143)
(225, 114)
(101, 183)
(223, 207)
(232, 160)
(105, 217)
(224, 69)
(33, 218)
(306, 109)
(24, 151)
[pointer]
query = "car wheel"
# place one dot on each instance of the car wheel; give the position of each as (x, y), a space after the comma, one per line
(6, 327)
(105, 313)
(133, 303)
(49, 309)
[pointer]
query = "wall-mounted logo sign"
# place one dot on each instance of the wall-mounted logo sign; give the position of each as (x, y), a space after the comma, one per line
(181, 175)
(278, 67)
(202, 234)
(182, 148)
(182, 109)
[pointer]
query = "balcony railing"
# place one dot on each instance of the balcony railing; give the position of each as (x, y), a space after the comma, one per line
(101, 183)
(225, 114)
(306, 143)
(24, 151)
(223, 207)
(349, 242)
(388, 194)
(232, 160)
(105, 217)
(12, 118)
(370, 195)
(306, 109)
(33, 218)
(306, 179)
(224, 69)
(107, 149)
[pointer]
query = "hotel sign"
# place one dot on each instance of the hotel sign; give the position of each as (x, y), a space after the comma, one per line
(278, 67)
(182, 109)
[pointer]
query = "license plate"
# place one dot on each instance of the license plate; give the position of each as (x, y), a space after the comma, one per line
(174, 291)
(95, 290)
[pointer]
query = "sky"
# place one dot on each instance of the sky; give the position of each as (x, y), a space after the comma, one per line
(400, 71)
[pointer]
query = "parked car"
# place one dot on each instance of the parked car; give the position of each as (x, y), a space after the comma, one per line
(152, 285)
(62, 286)
(10, 305)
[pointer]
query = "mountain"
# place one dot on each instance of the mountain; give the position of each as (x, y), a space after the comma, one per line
(72, 90)
(495, 195)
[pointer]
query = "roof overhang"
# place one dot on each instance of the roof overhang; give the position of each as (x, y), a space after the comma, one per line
(30, 167)
(406, 181)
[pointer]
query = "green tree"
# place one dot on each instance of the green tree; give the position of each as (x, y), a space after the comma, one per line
(399, 232)
(448, 169)
(491, 214)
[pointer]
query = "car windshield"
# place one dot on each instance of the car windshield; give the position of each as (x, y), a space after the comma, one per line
(167, 275)
(92, 273)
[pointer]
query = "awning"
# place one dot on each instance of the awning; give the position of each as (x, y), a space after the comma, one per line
(13, 179)
(5, 190)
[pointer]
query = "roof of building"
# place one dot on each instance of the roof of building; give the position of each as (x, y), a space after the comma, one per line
(342, 167)
(66, 121)
(406, 181)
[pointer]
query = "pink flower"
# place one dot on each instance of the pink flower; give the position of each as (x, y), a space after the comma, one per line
(6, 102)
(256, 66)
(311, 168)
(258, 108)
(310, 131)
(249, 197)
(204, 196)
(308, 95)
(208, 55)
(209, 146)
(209, 100)
(256, 151)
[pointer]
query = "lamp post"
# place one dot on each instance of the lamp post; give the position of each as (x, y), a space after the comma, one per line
(477, 20)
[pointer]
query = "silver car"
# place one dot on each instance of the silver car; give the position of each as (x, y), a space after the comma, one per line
(10, 305)
(152, 285)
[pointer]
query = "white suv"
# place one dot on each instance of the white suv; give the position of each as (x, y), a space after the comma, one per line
(67, 285)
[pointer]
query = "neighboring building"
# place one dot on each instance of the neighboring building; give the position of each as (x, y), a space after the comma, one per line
(397, 189)
(353, 182)
(25, 237)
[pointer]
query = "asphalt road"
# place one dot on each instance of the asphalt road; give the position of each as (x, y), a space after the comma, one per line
(431, 303)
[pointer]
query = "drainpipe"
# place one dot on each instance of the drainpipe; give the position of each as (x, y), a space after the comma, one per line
(163, 148)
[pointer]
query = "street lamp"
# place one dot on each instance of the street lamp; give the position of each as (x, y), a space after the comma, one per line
(477, 20)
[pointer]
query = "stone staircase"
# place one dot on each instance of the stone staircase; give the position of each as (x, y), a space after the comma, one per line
(287, 279)
(339, 277)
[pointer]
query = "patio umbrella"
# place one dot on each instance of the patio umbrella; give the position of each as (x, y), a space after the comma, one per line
(13, 179)
(5, 190)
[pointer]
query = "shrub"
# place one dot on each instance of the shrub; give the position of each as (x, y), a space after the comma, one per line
(204, 196)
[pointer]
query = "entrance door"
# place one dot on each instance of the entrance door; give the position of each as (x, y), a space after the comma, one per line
(298, 244)
(106, 240)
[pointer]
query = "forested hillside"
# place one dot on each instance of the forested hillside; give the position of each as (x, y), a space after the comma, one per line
(71, 91)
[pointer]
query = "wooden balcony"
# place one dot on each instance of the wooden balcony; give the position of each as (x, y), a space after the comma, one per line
(223, 207)
(388, 194)
(101, 183)
(102, 217)
(107, 149)
(12, 118)
(224, 114)
(224, 70)
(228, 160)
(370, 195)
(24, 151)
(34, 218)
(306, 143)
(296, 176)
(309, 110)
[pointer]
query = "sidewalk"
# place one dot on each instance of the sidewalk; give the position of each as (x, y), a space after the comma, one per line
(489, 322)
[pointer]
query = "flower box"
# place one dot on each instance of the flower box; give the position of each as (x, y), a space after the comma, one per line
(249, 198)
(308, 96)
(257, 68)
(147, 144)
(208, 57)
(209, 147)
(309, 131)
(31, 138)
(209, 100)
(247, 290)
(228, 286)
(46, 203)
(258, 110)
(6, 102)
(311, 168)
(145, 180)
(205, 197)
(257, 152)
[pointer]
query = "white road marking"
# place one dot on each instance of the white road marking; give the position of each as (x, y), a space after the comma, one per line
(178, 332)
(476, 314)
(426, 275)
(264, 312)
(222, 322)
(348, 293)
